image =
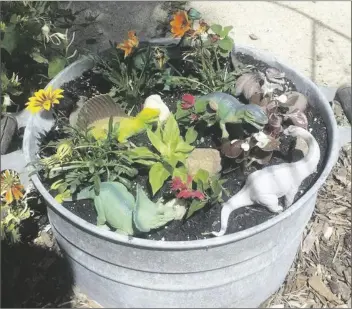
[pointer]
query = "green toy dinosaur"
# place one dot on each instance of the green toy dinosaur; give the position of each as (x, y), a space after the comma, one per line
(230, 110)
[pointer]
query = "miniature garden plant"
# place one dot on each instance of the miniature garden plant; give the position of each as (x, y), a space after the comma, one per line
(14, 207)
(35, 45)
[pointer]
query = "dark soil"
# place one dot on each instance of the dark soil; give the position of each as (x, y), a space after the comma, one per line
(207, 219)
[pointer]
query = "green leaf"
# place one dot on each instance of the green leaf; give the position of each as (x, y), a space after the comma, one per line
(56, 65)
(226, 44)
(38, 57)
(200, 106)
(141, 153)
(217, 29)
(202, 176)
(180, 172)
(226, 31)
(195, 205)
(156, 141)
(182, 113)
(191, 135)
(144, 162)
(184, 147)
(193, 14)
(157, 176)
(171, 133)
(10, 40)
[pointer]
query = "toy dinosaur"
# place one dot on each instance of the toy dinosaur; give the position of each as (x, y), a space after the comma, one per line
(230, 110)
(266, 186)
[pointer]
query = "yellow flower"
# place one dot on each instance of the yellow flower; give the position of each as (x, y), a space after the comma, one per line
(64, 150)
(11, 187)
(44, 99)
(180, 24)
(128, 45)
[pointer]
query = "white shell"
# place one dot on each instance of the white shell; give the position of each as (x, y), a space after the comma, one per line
(155, 101)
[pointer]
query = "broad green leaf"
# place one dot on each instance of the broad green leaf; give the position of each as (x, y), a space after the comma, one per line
(60, 198)
(4, 81)
(195, 205)
(226, 31)
(202, 176)
(184, 147)
(200, 106)
(191, 135)
(141, 153)
(193, 14)
(182, 113)
(96, 180)
(10, 40)
(171, 133)
(226, 44)
(38, 57)
(156, 141)
(180, 172)
(56, 65)
(13, 19)
(157, 176)
(216, 29)
(144, 162)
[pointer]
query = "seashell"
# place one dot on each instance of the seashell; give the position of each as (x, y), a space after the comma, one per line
(249, 85)
(155, 101)
(99, 109)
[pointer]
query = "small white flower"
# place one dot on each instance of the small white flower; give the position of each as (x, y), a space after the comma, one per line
(45, 32)
(245, 146)
(262, 139)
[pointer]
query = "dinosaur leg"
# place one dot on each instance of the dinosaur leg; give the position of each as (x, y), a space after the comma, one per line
(271, 202)
(225, 214)
(225, 134)
(290, 196)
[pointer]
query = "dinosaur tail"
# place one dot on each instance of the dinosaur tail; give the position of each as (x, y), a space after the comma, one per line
(239, 200)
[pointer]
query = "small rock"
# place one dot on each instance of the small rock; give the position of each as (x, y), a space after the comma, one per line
(206, 159)
(331, 40)
(253, 36)
(319, 57)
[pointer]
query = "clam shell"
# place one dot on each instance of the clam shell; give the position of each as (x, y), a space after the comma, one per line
(98, 108)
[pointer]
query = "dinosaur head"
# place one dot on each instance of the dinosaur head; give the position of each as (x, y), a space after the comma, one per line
(255, 115)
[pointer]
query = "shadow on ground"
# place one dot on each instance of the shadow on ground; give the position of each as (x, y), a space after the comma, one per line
(33, 277)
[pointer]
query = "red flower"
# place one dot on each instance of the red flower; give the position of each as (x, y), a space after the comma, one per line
(185, 189)
(188, 101)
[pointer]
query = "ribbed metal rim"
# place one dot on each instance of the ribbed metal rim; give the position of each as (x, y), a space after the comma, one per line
(205, 243)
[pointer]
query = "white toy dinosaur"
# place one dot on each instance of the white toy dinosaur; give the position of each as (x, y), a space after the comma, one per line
(267, 185)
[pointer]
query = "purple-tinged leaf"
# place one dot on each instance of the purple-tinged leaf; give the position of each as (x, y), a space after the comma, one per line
(295, 100)
(232, 149)
(248, 84)
(298, 118)
(274, 126)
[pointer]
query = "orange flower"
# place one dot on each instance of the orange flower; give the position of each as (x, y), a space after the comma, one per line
(10, 186)
(128, 45)
(180, 24)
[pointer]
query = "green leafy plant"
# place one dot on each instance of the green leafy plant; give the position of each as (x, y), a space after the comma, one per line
(132, 77)
(80, 160)
(35, 43)
(172, 153)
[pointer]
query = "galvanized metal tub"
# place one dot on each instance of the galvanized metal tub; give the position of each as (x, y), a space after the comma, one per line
(237, 270)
